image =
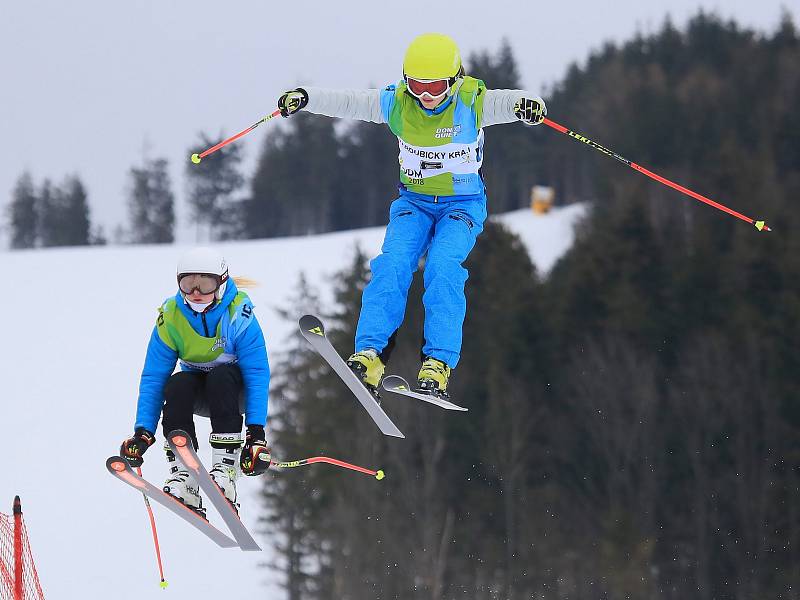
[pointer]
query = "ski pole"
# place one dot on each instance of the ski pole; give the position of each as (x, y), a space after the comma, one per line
(289, 464)
(163, 583)
(196, 158)
(760, 225)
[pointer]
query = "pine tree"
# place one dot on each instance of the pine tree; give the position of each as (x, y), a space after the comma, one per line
(22, 213)
(212, 188)
(151, 204)
(98, 236)
(292, 512)
(50, 211)
(293, 187)
(75, 220)
(367, 178)
(64, 213)
(508, 169)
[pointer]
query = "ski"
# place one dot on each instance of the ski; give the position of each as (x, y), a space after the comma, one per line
(181, 444)
(398, 385)
(314, 331)
(120, 469)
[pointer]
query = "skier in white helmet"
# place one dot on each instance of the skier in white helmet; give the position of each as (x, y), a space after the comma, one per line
(209, 326)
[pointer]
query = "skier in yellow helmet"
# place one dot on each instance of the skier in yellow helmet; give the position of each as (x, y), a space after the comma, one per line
(438, 114)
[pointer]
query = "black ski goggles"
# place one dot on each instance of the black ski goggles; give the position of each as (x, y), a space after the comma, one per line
(205, 283)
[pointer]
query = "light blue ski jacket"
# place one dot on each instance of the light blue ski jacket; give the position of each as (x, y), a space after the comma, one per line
(249, 349)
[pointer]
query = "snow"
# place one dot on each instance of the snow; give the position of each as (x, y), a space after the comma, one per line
(77, 325)
(547, 237)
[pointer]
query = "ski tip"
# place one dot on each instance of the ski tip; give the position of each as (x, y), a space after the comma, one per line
(116, 464)
(163, 585)
(394, 382)
(179, 439)
(380, 474)
(311, 324)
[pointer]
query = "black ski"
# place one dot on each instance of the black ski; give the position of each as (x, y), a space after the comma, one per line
(314, 331)
(398, 385)
(181, 444)
(120, 469)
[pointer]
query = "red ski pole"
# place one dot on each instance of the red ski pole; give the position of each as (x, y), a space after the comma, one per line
(163, 583)
(196, 158)
(760, 225)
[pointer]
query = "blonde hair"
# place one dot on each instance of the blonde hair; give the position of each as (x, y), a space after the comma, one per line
(244, 282)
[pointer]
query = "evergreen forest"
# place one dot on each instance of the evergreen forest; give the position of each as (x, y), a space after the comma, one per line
(633, 417)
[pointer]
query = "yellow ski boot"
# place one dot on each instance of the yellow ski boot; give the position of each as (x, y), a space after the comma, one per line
(433, 377)
(369, 367)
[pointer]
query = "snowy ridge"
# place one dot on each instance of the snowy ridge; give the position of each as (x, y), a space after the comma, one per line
(77, 329)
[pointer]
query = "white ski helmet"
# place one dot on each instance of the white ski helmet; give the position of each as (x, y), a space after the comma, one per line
(204, 261)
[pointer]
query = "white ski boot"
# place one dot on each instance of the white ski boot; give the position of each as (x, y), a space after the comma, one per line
(225, 463)
(182, 485)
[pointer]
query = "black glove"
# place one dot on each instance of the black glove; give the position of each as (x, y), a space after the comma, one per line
(136, 445)
(530, 111)
(293, 101)
(255, 458)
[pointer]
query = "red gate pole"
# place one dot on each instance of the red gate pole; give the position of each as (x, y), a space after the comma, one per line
(18, 587)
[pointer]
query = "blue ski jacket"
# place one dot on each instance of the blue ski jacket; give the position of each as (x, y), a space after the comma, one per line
(249, 349)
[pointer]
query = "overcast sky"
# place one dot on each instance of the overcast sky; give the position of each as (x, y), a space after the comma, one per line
(91, 86)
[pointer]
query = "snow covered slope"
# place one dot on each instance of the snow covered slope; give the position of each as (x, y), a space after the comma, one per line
(77, 322)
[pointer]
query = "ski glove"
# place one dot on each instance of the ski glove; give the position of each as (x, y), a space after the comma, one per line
(530, 111)
(255, 458)
(292, 101)
(136, 445)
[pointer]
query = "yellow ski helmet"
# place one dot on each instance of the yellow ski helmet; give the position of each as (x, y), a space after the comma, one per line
(432, 56)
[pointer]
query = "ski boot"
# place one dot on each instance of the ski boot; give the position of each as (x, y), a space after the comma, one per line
(182, 486)
(369, 367)
(225, 464)
(433, 377)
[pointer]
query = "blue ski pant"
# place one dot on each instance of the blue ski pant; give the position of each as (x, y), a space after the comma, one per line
(444, 227)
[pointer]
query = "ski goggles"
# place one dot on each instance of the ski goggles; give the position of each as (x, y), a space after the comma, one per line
(435, 88)
(205, 283)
